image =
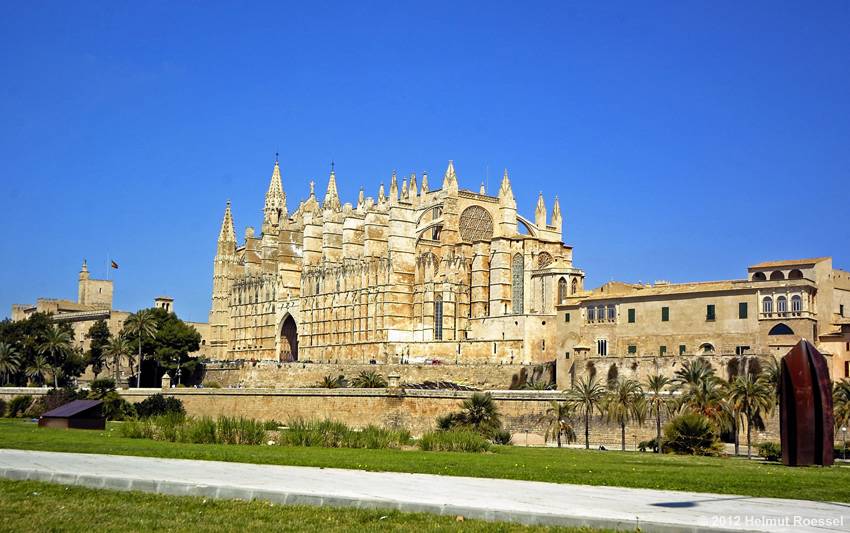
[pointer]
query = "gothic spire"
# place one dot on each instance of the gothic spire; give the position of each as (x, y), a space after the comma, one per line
(393, 188)
(450, 178)
(424, 183)
(227, 233)
(331, 196)
(275, 207)
(540, 212)
(506, 194)
(414, 192)
(557, 219)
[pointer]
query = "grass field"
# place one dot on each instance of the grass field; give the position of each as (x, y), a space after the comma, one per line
(647, 470)
(33, 506)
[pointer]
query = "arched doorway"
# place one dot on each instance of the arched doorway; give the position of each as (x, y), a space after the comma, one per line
(288, 340)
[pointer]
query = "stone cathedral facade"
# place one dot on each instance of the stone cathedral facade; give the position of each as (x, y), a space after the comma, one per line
(415, 274)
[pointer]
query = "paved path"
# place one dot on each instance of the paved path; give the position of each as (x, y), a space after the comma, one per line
(489, 499)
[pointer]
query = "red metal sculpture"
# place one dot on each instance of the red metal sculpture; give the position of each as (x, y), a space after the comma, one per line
(805, 408)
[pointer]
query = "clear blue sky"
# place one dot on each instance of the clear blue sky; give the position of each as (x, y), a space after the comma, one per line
(686, 140)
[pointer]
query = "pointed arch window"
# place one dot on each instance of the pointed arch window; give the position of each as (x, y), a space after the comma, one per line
(574, 286)
(562, 290)
(517, 284)
(438, 317)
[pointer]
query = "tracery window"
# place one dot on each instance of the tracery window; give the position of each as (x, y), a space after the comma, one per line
(438, 318)
(476, 224)
(544, 260)
(574, 287)
(517, 284)
(562, 290)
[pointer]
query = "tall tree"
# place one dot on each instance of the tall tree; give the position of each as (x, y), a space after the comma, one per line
(659, 402)
(559, 419)
(702, 391)
(57, 348)
(10, 361)
(141, 325)
(38, 369)
(624, 404)
(98, 336)
(751, 396)
(586, 396)
(841, 403)
(117, 349)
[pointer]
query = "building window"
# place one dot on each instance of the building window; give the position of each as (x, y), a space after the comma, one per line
(662, 350)
(566, 317)
(591, 314)
(438, 318)
(847, 369)
(796, 304)
(767, 305)
(562, 289)
(665, 314)
(600, 313)
(632, 349)
(709, 312)
(682, 349)
(741, 350)
(517, 284)
(631, 316)
(706, 348)
(742, 310)
(612, 313)
(782, 305)
(602, 347)
(574, 286)
(841, 309)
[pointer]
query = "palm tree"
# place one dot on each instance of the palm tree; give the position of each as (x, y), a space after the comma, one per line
(772, 374)
(841, 403)
(38, 369)
(330, 382)
(141, 324)
(559, 418)
(369, 380)
(10, 361)
(117, 348)
(586, 396)
(479, 412)
(702, 391)
(624, 404)
(658, 401)
(56, 346)
(751, 396)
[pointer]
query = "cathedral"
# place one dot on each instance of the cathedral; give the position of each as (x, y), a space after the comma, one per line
(413, 275)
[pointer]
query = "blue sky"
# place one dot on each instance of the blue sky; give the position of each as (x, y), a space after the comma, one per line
(686, 140)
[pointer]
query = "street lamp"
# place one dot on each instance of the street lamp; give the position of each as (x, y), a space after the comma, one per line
(179, 371)
(844, 452)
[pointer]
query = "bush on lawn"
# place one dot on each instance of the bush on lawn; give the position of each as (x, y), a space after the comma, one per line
(691, 434)
(331, 434)
(479, 414)
(114, 406)
(175, 427)
(158, 405)
(648, 445)
(454, 440)
(770, 451)
(18, 405)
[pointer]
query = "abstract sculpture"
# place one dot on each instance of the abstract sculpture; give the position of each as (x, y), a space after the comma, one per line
(805, 408)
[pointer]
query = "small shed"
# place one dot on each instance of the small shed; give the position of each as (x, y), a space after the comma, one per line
(79, 414)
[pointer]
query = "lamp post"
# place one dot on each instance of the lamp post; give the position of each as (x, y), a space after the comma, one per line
(844, 451)
(179, 371)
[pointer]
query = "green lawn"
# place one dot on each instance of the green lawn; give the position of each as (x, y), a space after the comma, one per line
(34, 506)
(699, 474)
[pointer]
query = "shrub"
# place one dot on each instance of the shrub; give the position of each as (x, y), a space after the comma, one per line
(231, 430)
(332, 434)
(199, 431)
(137, 429)
(330, 382)
(770, 451)
(455, 440)
(691, 434)
(503, 436)
(101, 387)
(648, 445)
(158, 405)
(271, 425)
(211, 385)
(478, 413)
(369, 380)
(18, 405)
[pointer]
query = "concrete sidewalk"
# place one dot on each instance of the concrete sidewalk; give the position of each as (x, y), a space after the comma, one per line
(489, 499)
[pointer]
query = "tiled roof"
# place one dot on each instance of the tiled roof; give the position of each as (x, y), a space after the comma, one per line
(789, 262)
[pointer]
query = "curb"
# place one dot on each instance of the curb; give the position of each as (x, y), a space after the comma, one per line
(229, 492)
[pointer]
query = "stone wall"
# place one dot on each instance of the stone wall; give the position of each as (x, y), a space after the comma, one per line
(300, 375)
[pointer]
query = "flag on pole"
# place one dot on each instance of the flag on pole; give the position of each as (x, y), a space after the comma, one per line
(114, 265)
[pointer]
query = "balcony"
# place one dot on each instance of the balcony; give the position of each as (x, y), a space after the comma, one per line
(786, 315)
